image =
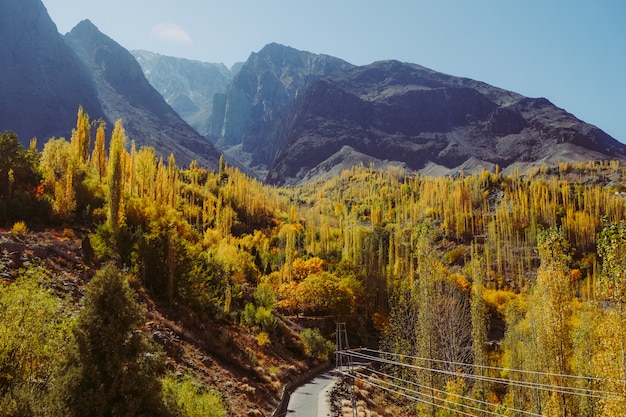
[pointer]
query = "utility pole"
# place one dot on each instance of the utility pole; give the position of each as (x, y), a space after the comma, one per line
(341, 340)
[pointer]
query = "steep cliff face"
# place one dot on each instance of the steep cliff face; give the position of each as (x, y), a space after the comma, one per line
(125, 93)
(407, 115)
(42, 81)
(247, 118)
(188, 86)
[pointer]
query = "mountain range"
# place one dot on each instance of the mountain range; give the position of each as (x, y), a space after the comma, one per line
(291, 116)
(284, 116)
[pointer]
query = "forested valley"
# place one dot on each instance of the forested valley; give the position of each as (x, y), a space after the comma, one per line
(516, 276)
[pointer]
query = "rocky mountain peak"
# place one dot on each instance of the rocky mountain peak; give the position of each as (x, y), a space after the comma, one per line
(112, 63)
(246, 119)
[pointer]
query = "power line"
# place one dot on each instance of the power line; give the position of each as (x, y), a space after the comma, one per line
(493, 368)
(585, 392)
(410, 396)
(452, 394)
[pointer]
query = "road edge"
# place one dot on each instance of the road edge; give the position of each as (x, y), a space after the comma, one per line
(291, 386)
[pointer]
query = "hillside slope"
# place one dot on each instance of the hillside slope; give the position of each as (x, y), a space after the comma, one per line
(219, 354)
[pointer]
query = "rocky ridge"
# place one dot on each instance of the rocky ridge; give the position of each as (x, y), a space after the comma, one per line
(42, 82)
(291, 117)
(393, 113)
(45, 77)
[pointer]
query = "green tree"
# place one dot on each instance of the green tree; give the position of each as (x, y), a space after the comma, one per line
(115, 368)
(19, 178)
(479, 320)
(315, 345)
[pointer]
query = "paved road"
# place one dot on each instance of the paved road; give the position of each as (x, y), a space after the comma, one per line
(311, 399)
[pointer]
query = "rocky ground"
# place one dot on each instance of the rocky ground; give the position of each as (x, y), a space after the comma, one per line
(222, 355)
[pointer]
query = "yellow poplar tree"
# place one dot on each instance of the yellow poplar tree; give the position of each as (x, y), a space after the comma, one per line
(610, 361)
(114, 174)
(99, 156)
(57, 164)
(551, 303)
(81, 137)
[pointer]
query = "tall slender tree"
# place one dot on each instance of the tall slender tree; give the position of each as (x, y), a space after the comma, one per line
(115, 175)
(98, 155)
(81, 137)
(479, 320)
(551, 304)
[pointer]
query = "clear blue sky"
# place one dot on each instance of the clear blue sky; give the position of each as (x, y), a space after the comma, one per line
(572, 52)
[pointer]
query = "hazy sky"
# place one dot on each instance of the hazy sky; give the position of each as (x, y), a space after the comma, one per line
(572, 52)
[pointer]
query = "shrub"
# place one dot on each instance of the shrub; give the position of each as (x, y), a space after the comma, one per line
(263, 339)
(264, 296)
(315, 346)
(103, 241)
(258, 316)
(265, 319)
(19, 228)
(248, 315)
(188, 398)
(69, 233)
(455, 256)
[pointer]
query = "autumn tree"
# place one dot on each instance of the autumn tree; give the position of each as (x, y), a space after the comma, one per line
(81, 137)
(98, 155)
(551, 311)
(145, 165)
(610, 360)
(58, 167)
(115, 175)
(326, 293)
